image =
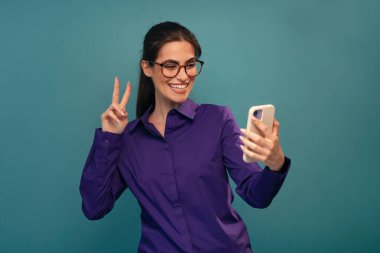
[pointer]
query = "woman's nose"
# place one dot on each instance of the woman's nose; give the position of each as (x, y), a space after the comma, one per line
(182, 75)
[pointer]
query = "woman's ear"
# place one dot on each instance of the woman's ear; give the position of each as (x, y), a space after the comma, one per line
(146, 68)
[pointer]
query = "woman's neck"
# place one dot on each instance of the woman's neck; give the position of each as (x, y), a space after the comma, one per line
(161, 109)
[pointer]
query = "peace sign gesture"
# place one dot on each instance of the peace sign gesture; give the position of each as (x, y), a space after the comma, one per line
(115, 118)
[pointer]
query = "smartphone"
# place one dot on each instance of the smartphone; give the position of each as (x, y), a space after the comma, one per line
(264, 113)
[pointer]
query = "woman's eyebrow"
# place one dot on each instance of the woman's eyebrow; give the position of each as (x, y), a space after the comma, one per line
(190, 60)
(174, 61)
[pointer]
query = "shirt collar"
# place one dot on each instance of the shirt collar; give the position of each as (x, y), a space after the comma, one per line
(187, 108)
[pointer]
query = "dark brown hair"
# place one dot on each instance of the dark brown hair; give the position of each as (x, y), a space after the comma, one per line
(155, 38)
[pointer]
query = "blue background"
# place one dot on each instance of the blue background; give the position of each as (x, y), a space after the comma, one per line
(318, 62)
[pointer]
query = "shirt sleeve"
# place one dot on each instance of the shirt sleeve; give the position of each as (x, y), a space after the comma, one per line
(255, 185)
(101, 182)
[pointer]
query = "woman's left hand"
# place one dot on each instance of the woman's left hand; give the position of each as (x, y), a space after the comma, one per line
(265, 149)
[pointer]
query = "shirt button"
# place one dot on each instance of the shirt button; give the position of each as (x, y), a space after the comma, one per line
(166, 147)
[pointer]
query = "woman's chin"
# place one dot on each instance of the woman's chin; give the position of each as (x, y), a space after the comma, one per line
(179, 100)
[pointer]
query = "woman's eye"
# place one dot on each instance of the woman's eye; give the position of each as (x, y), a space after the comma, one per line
(170, 66)
(191, 65)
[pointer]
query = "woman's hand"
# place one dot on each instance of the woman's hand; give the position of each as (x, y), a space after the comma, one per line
(115, 118)
(265, 149)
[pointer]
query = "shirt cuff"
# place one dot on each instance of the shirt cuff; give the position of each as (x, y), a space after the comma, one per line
(107, 138)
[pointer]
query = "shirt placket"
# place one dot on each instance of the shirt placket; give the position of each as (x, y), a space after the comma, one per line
(174, 187)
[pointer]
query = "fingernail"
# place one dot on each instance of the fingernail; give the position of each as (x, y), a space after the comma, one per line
(241, 138)
(242, 130)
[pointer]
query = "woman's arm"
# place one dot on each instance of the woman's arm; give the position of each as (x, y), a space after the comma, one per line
(101, 182)
(255, 185)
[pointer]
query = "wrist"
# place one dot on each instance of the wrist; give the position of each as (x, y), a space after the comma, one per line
(279, 165)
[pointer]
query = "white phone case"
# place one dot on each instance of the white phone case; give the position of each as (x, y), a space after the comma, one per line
(267, 117)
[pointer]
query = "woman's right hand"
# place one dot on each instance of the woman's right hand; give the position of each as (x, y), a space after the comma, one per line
(115, 118)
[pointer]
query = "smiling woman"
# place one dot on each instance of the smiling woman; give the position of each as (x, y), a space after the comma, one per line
(167, 45)
(169, 79)
(177, 155)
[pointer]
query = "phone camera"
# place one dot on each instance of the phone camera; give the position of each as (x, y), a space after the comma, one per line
(258, 114)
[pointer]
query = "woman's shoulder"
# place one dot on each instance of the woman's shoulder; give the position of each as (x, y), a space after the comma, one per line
(132, 125)
(214, 108)
(221, 112)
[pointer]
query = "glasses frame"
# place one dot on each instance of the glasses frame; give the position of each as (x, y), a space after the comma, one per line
(179, 69)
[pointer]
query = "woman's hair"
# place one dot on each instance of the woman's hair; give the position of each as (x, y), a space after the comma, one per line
(157, 36)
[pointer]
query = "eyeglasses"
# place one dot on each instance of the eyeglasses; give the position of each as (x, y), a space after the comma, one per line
(171, 68)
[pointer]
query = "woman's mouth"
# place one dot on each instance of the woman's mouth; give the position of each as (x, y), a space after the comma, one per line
(179, 88)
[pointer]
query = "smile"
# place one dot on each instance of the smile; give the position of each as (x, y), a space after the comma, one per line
(179, 88)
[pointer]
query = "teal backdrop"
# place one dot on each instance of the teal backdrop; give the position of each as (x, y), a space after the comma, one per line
(318, 62)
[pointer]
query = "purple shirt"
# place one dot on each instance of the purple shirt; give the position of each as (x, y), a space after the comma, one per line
(180, 180)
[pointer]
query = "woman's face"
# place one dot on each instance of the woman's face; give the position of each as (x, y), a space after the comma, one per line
(173, 90)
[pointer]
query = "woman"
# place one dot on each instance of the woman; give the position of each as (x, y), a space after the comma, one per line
(175, 156)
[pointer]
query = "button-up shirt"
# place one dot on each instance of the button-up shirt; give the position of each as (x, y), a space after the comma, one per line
(180, 179)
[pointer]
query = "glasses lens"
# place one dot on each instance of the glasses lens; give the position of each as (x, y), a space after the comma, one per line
(193, 68)
(170, 69)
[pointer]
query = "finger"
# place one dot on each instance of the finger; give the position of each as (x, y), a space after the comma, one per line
(276, 126)
(254, 147)
(118, 110)
(264, 129)
(115, 95)
(112, 115)
(126, 95)
(256, 138)
(252, 155)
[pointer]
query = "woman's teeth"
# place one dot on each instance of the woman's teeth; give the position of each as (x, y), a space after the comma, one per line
(178, 86)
